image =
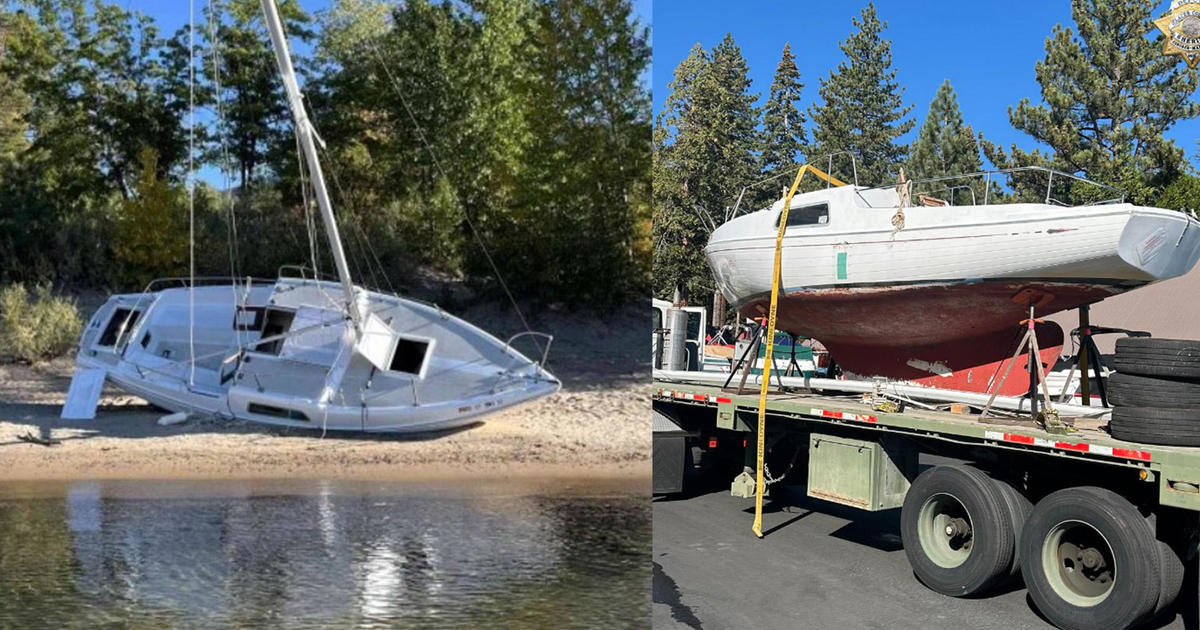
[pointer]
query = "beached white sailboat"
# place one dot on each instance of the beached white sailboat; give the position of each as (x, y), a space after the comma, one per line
(301, 351)
(938, 288)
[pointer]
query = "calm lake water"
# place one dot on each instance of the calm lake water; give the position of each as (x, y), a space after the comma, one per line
(315, 554)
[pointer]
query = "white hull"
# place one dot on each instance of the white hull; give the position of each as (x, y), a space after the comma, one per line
(1120, 245)
(315, 377)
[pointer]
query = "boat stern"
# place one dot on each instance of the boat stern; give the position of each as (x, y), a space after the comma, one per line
(1162, 244)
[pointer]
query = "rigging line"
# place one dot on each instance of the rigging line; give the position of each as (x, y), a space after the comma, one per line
(438, 165)
(310, 223)
(308, 217)
(363, 252)
(226, 179)
(191, 193)
(378, 263)
(345, 197)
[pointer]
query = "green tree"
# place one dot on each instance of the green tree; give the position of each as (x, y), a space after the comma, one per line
(150, 235)
(94, 86)
(783, 136)
(704, 143)
(585, 175)
(240, 73)
(14, 103)
(862, 109)
(945, 146)
(1181, 194)
(1108, 97)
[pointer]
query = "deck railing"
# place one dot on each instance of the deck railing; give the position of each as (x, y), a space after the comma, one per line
(1022, 182)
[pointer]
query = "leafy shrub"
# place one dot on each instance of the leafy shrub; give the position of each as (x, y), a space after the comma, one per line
(38, 326)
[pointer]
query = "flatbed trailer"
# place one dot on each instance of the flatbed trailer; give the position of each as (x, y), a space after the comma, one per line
(1099, 528)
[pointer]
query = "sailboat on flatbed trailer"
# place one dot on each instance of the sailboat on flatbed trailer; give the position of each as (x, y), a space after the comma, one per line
(936, 289)
(302, 351)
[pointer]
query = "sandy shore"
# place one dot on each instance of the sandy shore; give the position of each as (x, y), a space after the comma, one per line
(596, 428)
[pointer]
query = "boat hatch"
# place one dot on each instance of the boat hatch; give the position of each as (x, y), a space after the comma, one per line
(249, 318)
(120, 326)
(816, 214)
(411, 355)
(277, 321)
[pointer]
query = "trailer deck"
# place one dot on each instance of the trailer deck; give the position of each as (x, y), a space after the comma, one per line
(1176, 469)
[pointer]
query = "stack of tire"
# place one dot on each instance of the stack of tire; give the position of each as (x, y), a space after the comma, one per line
(1155, 393)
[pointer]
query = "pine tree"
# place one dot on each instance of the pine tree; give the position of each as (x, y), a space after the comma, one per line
(677, 230)
(1108, 97)
(13, 104)
(705, 140)
(255, 118)
(783, 136)
(945, 145)
(862, 108)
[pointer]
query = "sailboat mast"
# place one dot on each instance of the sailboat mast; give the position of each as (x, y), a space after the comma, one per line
(305, 133)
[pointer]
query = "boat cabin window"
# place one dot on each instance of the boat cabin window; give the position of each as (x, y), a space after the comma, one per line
(119, 327)
(248, 318)
(278, 321)
(410, 356)
(817, 214)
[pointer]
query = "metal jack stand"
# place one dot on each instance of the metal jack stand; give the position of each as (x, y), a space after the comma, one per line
(1087, 361)
(747, 361)
(1048, 417)
(793, 365)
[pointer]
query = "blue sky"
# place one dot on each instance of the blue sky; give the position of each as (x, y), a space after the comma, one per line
(986, 49)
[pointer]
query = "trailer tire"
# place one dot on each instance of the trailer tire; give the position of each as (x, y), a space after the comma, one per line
(957, 530)
(1156, 425)
(1019, 508)
(1131, 390)
(1090, 560)
(1170, 577)
(1169, 358)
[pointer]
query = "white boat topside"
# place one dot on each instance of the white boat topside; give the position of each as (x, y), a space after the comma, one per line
(440, 372)
(845, 237)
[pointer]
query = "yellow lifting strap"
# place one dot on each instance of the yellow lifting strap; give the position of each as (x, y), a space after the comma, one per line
(769, 338)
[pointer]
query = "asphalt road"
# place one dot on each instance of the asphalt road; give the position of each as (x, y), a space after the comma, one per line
(820, 565)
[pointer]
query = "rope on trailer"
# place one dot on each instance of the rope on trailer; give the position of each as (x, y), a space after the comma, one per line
(760, 467)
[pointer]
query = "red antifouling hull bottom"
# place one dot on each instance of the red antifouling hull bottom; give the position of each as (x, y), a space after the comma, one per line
(952, 336)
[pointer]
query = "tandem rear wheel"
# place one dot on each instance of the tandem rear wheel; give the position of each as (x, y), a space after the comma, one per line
(959, 528)
(1089, 558)
(1091, 561)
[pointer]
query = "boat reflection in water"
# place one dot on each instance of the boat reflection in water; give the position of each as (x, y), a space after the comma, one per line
(343, 556)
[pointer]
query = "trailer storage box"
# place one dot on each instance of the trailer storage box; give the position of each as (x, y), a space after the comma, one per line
(866, 474)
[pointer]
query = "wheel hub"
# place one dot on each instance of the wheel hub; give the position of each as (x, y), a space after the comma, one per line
(945, 531)
(1079, 563)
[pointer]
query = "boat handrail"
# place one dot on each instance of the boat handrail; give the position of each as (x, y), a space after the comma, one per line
(304, 269)
(159, 284)
(791, 173)
(987, 176)
(540, 364)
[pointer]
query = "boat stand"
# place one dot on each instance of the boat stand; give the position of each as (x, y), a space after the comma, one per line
(1048, 417)
(793, 365)
(747, 361)
(1087, 361)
